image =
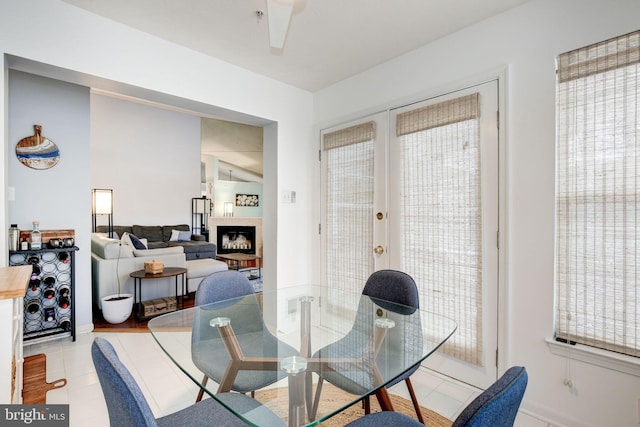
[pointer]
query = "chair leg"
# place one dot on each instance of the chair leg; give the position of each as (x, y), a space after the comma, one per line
(366, 404)
(316, 401)
(414, 400)
(201, 392)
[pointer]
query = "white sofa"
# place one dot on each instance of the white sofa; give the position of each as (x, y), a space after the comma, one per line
(111, 260)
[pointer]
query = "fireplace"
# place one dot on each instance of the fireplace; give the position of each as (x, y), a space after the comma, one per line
(236, 239)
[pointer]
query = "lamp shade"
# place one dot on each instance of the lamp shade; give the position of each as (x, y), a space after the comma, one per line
(102, 205)
(102, 202)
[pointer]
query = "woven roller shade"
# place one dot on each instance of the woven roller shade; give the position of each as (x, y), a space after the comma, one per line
(438, 115)
(600, 57)
(597, 194)
(349, 167)
(351, 135)
(440, 216)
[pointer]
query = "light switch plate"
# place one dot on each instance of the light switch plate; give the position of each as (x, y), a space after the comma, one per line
(288, 196)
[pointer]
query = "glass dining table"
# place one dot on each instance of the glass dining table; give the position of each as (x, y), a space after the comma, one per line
(293, 337)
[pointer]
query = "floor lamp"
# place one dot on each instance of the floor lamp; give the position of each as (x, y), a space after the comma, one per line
(102, 205)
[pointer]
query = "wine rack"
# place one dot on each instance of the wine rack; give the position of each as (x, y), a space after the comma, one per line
(49, 302)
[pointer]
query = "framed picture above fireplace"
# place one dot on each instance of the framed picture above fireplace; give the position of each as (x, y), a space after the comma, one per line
(250, 200)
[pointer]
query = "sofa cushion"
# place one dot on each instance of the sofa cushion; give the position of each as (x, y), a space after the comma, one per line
(167, 229)
(157, 252)
(107, 248)
(156, 245)
(153, 233)
(118, 229)
(193, 246)
(200, 255)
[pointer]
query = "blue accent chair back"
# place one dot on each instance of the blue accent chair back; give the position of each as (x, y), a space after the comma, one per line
(395, 286)
(208, 353)
(128, 407)
(223, 285)
(497, 406)
(126, 404)
(400, 288)
(396, 292)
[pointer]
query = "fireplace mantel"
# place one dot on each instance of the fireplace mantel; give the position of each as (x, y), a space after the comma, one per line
(215, 221)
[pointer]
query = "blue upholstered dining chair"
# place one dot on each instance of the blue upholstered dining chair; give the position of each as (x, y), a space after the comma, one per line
(207, 351)
(128, 407)
(497, 406)
(382, 287)
(400, 288)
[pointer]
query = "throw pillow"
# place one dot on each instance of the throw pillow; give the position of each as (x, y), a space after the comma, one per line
(132, 241)
(175, 236)
(136, 242)
(184, 236)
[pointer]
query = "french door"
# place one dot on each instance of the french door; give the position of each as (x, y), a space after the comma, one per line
(416, 189)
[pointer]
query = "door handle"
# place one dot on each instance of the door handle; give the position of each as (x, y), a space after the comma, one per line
(379, 250)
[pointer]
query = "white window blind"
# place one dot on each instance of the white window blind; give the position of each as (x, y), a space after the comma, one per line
(349, 156)
(597, 195)
(440, 215)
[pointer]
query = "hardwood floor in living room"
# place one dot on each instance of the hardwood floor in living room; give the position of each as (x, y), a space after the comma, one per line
(132, 324)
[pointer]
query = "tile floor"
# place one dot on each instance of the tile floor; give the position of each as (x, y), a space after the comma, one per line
(167, 389)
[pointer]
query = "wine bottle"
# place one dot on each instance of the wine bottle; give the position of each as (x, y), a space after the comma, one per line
(65, 323)
(63, 291)
(34, 283)
(36, 236)
(34, 287)
(49, 314)
(49, 292)
(64, 257)
(63, 302)
(34, 260)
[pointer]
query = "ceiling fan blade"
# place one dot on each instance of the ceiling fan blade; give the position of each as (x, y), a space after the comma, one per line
(279, 15)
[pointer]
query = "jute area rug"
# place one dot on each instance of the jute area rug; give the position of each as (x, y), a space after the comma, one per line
(331, 394)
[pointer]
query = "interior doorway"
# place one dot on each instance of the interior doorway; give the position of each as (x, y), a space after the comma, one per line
(232, 162)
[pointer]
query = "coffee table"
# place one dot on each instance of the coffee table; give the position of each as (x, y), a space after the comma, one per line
(140, 275)
(237, 260)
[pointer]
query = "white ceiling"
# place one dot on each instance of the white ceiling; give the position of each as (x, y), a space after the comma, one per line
(327, 41)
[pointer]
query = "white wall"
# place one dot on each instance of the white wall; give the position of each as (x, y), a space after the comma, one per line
(149, 156)
(59, 197)
(526, 40)
(225, 191)
(52, 38)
